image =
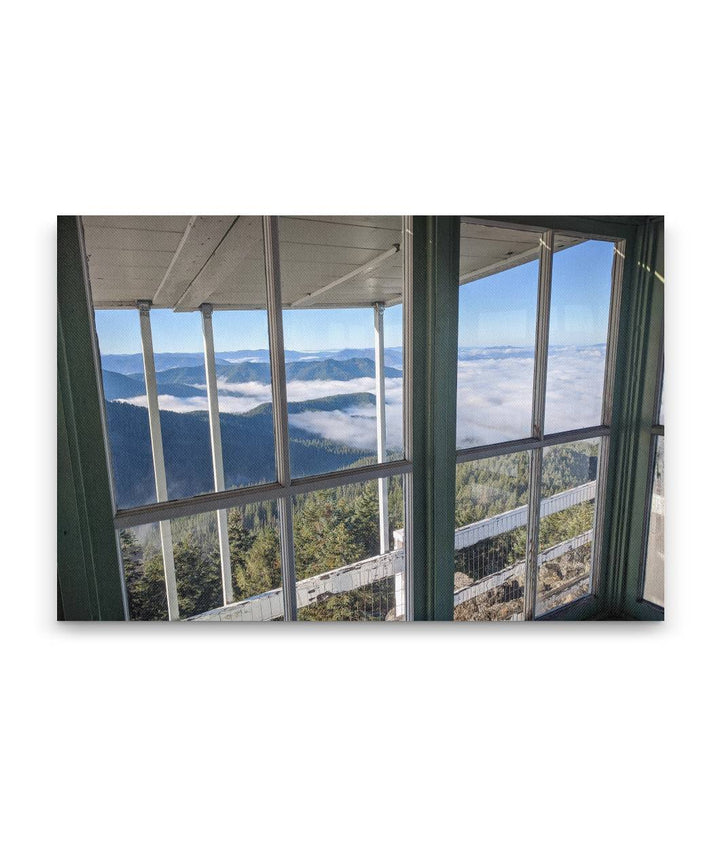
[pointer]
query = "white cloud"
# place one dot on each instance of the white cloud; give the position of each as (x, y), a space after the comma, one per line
(494, 399)
(171, 402)
(227, 403)
(495, 395)
(355, 427)
(304, 390)
(574, 388)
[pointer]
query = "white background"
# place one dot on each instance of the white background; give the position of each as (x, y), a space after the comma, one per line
(593, 738)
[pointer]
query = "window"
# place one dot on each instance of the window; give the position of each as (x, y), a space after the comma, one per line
(538, 315)
(253, 372)
(258, 400)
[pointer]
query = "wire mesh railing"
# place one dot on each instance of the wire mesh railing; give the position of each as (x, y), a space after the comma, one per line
(489, 578)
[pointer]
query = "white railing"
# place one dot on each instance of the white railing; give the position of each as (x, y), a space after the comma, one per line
(269, 605)
(468, 535)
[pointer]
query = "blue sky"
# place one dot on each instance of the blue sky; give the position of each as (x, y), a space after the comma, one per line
(500, 309)
(497, 310)
(304, 330)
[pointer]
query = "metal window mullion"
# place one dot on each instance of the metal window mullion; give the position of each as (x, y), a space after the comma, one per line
(210, 502)
(381, 421)
(407, 308)
(216, 449)
(271, 249)
(599, 513)
(613, 331)
(659, 384)
(158, 457)
(607, 406)
(542, 335)
(657, 429)
(510, 447)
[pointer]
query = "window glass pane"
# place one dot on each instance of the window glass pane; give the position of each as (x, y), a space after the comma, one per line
(491, 538)
(333, 270)
(244, 396)
(118, 334)
(254, 560)
(496, 334)
(569, 478)
(144, 574)
(341, 574)
(655, 562)
(197, 568)
(579, 314)
(182, 398)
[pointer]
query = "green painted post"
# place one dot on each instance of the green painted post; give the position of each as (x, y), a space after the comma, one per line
(639, 353)
(436, 258)
(89, 580)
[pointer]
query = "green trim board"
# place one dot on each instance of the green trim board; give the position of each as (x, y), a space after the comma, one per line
(89, 579)
(639, 358)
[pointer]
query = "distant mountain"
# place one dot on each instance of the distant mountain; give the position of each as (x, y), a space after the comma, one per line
(245, 372)
(393, 356)
(328, 403)
(248, 451)
(513, 352)
(336, 369)
(133, 363)
(116, 385)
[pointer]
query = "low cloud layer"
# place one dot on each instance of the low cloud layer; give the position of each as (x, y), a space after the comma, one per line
(495, 395)
(355, 427)
(494, 399)
(226, 403)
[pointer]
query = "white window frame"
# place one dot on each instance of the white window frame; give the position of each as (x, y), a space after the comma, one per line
(539, 440)
(284, 488)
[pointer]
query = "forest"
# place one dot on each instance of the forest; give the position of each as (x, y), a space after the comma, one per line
(333, 528)
(248, 448)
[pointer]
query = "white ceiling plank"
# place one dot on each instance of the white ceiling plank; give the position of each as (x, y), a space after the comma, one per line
(498, 233)
(129, 258)
(108, 238)
(150, 223)
(298, 230)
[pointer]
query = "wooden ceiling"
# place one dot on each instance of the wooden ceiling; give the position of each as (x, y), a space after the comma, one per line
(182, 262)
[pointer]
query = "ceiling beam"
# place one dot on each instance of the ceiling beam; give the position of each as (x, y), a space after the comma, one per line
(199, 241)
(242, 237)
(366, 268)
